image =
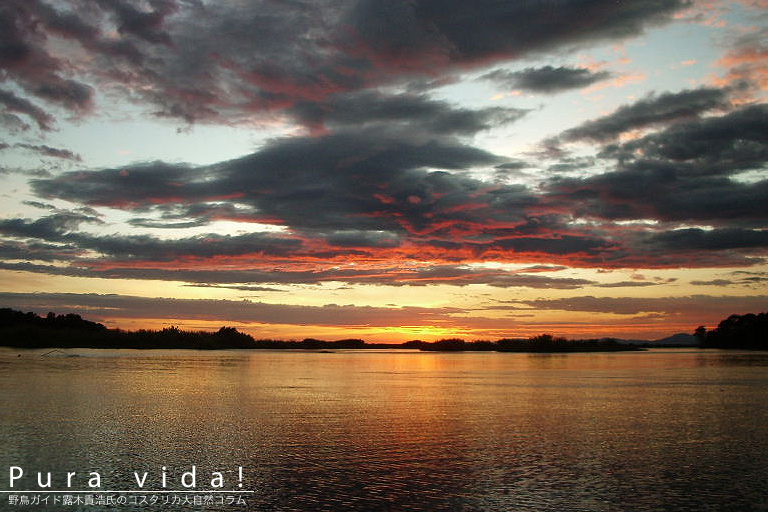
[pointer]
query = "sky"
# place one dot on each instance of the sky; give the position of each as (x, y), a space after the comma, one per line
(386, 169)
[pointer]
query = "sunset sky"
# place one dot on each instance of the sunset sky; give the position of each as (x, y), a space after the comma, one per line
(386, 169)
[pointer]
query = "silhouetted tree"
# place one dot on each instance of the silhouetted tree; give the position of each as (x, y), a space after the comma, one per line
(748, 331)
(701, 334)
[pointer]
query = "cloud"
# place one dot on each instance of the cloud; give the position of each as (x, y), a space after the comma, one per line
(38, 251)
(715, 145)
(650, 111)
(242, 288)
(14, 103)
(69, 93)
(547, 79)
(63, 228)
(25, 59)
(371, 188)
(695, 306)
(627, 284)
(377, 186)
(48, 151)
(715, 282)
(384, 177)
(403, 34)
(146, 25)
(52, 227)
(260, 257)
(227, 63)
(161, 224)
(263, 272)
(12, 123)
(737, 278)
(403, 194)
(416, 111)
(746, 65)
(366, 180)
(124, 307)
(681, 174)
(696, 239)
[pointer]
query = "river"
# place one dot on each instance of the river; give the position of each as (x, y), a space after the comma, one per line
(389, 430)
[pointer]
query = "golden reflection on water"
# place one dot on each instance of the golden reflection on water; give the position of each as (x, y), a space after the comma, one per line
(380, 430)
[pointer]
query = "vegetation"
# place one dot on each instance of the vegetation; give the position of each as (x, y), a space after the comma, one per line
(548, 343)
(454, 345)
(28, 330)
(748, 332)
(541, 343)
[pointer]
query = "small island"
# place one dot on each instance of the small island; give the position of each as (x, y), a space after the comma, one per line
(542, 343)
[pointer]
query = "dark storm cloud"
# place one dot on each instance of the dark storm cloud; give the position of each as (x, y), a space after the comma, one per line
(567, 165)
(354, 192)
(513, 165)
(224, 62)
(404, 32)
(653, 110)
(36, 251)
(149, 248)
(345, 192)
(547, 79)
(71, 94)
(357, 238)
(555, 245)
(351, 180)
(696, 239)
(50, 228)
(81, 22)
(661, 194)
(25, 59)
(63, 228)
(147, 25)
(383, 173)
(386, 276)
(683, 173)
(140, 184)
(696, 306)
(27, 28)
(713, 145)
(417, 111)
(164, 224)
(173, 215)
(23, 106)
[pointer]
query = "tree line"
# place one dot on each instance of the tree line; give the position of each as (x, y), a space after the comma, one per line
(749, 331)
(29, 330)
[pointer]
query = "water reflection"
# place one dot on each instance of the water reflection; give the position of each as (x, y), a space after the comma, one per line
(670, 429)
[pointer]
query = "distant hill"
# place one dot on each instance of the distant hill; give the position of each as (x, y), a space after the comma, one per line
(678, 340)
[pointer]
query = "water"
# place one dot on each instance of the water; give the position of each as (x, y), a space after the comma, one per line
(682, 430)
